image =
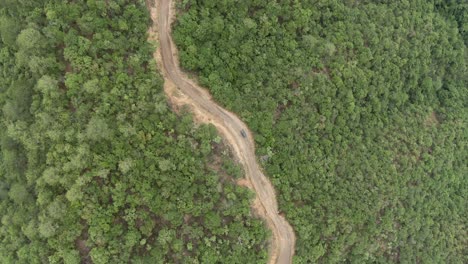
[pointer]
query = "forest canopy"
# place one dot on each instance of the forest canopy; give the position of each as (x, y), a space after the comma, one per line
(359, 110)
(95, 167)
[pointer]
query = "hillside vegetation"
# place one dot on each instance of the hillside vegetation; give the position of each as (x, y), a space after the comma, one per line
(95, 168)
(359, 110)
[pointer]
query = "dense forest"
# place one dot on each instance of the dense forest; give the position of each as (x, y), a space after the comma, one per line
(359, 110)
(95, 168)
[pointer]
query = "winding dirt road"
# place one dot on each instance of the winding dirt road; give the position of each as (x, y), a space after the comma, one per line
(183, 91)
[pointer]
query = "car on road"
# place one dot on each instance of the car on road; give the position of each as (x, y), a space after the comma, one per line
(244, 135)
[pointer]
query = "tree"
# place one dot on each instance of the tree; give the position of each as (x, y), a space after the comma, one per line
(30, 40)
(97, 129)
(9, 29)
(47, 228)
(18, 193)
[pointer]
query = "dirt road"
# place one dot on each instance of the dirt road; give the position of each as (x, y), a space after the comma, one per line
(181, 90)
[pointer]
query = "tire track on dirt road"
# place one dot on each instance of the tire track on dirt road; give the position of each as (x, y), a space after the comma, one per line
(183, 91)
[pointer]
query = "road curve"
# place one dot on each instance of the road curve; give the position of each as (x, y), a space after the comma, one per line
(229, 125)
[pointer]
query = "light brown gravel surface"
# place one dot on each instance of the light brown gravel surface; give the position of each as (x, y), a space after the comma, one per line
(183, 91)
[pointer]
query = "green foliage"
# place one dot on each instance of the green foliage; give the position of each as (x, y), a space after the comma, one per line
(95, 167)
(18, 193)
(9, 28)
(30, 40)
(359, 110)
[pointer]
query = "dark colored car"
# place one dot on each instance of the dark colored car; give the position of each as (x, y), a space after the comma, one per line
(243, 133)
